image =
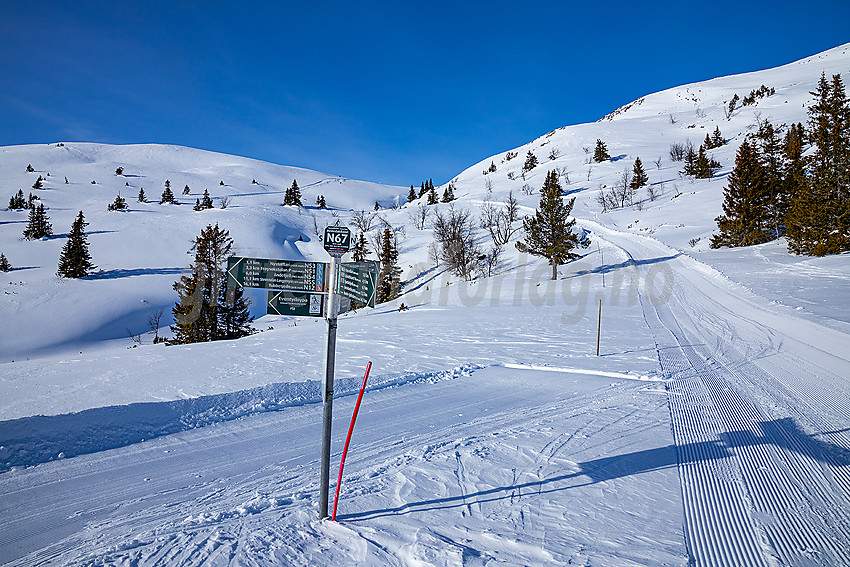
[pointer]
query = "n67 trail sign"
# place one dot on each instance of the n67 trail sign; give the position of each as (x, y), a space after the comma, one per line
(337, 240)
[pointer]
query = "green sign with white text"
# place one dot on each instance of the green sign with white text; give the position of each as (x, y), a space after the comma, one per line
(296, 303)
(358, 283)
(276, 274)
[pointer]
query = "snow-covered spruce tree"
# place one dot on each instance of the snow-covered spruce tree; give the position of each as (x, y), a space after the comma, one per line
(38, 225)
(321, 203)
(360, 249)
(548, 233)
(819, 219)
(206, 201)
(530, 161)
(142, 197)
(186, 190)
(600, 153)
(745, 205)
(432, 195)
(30, 168)
(167, 195)
(639, 176)
(293, 195)
(75, 260)
(4, 264)
(119, 171)
(449, 193)
(119, 204)
(389, 278)
(202, 312)
(411, 196)
(39, 183)
(18, 201)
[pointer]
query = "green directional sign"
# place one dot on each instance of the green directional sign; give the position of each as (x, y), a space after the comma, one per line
(358, 283)
(277, 274)
(296, 303)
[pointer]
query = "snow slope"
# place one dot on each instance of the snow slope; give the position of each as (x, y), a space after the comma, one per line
(712, 430)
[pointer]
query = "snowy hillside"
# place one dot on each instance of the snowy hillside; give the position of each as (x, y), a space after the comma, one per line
(141, 252)
(711, 430)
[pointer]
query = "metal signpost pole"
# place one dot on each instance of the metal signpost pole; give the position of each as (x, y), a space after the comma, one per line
(337, 241)
(328, 389)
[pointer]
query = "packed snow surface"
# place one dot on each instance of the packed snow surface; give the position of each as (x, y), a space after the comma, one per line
(712, 429)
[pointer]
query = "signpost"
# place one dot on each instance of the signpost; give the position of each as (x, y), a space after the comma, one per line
(337, 242)
(300, 288)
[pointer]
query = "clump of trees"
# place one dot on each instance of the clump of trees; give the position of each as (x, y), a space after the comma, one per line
(775, 190)
(549, 233)
(119, 204)
(38, 224)
(206, 308)
(203, 203)
(75, 260)
(18, 202)
(292, 196)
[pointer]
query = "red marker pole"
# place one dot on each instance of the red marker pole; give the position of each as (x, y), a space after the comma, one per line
(348, 438)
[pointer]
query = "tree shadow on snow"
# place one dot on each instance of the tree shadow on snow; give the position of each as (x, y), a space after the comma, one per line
(129, 273)
(781, 433)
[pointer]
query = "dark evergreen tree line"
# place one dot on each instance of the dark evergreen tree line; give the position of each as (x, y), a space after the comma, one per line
(775, 190)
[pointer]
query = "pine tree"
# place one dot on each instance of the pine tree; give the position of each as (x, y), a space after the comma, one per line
(548, 232)
(17, 201)
(702, 168)
(745, 206)
(422, 189)
(639, 176)
(119, 204)
(38, 225)
(75, 260)
(819, 219)
(4, 264)
(389, 278)
(30, 168)
(186, 190)
(600, 154)
(206, 201)
(293, 195)
(717, 139)
(119, 171)
(38, 183)
(201, 312)
(411, 196)
(690, 161)
(142, 197)
(794, 170)
(360, 249)
(432, 196)
(321, 203)
(167, 194)
(530, 162)
(234, 315)
(449, 193)
(778, 199)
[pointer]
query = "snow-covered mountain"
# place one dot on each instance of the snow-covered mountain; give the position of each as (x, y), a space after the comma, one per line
(711, 430)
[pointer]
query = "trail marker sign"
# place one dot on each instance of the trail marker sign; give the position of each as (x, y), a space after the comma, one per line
(286, 275)
(337, 240)
(296, 303)
(357, 283)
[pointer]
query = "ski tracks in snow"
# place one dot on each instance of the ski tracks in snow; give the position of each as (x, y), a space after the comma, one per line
(757, 489)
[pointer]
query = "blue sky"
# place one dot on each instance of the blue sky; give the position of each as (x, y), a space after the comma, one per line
(396, 92)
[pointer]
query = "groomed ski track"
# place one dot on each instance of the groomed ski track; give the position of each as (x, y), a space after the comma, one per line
(760, 413)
